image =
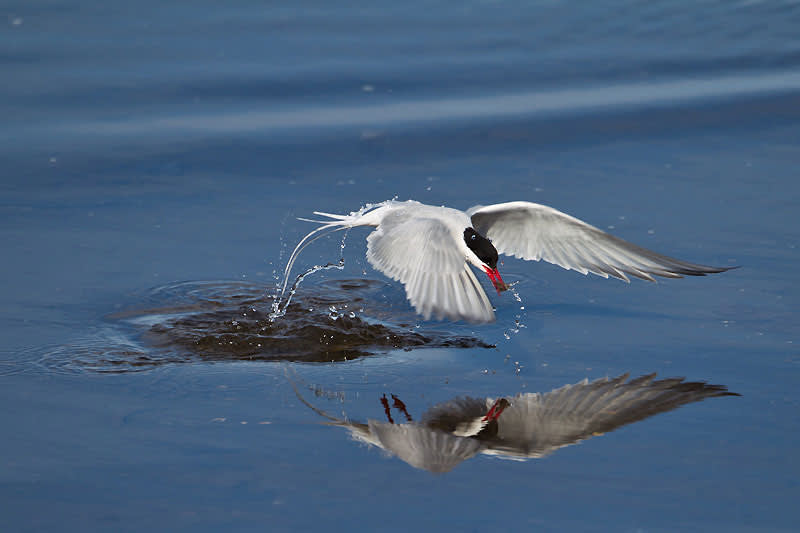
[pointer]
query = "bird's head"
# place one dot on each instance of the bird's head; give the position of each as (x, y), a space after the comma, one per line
(486, 254)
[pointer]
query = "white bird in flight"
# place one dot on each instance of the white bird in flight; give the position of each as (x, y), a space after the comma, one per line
(430, 249)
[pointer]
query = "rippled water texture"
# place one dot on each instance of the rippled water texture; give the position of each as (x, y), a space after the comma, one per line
(224, 321)
(154, 144)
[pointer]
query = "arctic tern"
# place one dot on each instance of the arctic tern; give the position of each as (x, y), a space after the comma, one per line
(430, 249)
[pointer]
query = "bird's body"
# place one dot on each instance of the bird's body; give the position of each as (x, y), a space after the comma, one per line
(430, 249)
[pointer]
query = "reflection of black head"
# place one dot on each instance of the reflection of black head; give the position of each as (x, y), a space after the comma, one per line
(481, 246)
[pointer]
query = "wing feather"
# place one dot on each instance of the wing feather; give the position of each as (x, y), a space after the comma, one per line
(534, 232)
(422, 447)
(537, 424)
(423, 254)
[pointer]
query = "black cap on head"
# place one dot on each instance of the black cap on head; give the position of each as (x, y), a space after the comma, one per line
(481, 246)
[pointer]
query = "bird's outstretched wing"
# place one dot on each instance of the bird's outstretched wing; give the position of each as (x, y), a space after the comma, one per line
(423, 447)
(422, 253)
(534, 232)
(537, 424)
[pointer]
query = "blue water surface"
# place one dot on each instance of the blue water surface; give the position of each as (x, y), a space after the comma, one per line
(152, 148)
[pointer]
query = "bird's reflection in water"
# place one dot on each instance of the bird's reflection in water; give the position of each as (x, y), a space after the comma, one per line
(524, 426)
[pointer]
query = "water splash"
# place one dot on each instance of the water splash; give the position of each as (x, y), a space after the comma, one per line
(278, 310)
(518, 318)
(279, 304)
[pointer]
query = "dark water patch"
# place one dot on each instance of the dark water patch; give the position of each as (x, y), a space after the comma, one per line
(230, 321)
(298, 336)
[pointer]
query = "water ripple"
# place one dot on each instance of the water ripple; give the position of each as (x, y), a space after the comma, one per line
(625, 96)
(230, 321)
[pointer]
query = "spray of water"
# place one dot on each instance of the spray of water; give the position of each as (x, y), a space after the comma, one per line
(281, 299)
(518, 318)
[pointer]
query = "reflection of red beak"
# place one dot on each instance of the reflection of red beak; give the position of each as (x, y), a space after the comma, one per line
(498, 407)
(497, 281)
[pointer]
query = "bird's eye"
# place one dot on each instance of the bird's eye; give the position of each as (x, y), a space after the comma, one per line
(473, 236)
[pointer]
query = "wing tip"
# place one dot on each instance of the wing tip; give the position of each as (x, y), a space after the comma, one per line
(701, 270)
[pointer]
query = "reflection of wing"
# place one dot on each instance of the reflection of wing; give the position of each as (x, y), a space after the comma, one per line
(423, 447)
(531, 425)
(537, 424)
(533, 231)
(422, 253)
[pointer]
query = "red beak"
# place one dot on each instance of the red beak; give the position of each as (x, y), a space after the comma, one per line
(496, 280)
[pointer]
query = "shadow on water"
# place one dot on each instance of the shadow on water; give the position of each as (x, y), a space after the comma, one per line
(230, 321)
(520, 427)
